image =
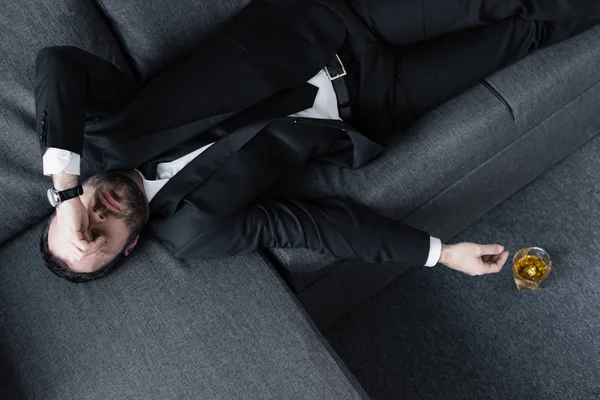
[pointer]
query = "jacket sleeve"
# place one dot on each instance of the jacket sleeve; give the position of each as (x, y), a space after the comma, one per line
(338, 226)
(233, 211)
(68, 82)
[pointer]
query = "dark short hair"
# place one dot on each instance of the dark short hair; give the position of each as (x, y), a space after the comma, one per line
(60, 268)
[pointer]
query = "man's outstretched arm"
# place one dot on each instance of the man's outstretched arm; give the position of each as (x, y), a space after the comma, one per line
(231, 214)
(337, 226)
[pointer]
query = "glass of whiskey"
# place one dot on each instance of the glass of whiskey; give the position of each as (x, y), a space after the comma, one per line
(531, 266)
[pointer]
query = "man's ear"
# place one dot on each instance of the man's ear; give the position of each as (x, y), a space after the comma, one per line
(131, 245)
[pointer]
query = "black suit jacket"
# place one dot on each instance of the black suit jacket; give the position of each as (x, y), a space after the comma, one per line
(229, 88)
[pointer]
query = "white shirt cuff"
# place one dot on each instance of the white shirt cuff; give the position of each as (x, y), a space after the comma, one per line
(435, 251)
(58, 160)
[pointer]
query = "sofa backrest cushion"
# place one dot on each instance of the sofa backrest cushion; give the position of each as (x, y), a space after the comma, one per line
(161, 32)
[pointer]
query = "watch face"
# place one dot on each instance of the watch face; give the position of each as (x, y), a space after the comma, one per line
(52, 197)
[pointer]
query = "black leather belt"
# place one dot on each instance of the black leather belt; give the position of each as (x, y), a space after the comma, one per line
(337, 75)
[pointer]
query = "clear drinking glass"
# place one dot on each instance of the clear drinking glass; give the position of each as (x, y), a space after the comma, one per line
(531, 266)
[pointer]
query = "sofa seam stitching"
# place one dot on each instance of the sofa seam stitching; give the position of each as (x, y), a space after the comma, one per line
(500, 97)
(501, 151)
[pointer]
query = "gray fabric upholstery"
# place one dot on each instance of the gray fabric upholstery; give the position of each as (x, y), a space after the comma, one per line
(160, 32)
(343, 287)
(537, 86)
(451, 147)
(469, 338)
(25, 30)
(161, 329)
(513, 167)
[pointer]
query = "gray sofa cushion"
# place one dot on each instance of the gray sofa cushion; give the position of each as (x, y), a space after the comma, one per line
(158, 33)
(25, 30)
(513, 167)
(161, 329)
(447, 144)
(539, 85)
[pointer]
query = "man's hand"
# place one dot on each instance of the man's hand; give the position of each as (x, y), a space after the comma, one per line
(474, 259)
(72, 223)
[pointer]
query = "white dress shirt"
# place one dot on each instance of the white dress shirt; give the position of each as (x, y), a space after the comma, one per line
(325, 107)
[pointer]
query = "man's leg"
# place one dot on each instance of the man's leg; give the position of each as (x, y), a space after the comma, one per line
(403, 22)
(430, 73)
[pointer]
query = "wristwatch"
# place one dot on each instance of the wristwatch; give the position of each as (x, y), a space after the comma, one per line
(55, 197)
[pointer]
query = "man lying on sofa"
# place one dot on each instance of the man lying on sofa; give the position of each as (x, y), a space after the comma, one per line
(193, 151)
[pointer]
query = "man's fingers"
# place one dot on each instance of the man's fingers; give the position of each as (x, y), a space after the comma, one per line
(489, 258)
(502, 259)
(497, 265)
(85, 243)
(486, 249)
(98, 244)
(76, 254)
(95, 247)
(81, 244)
(490, 264)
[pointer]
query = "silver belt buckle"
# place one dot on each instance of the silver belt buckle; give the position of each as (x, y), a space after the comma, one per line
(340, 75)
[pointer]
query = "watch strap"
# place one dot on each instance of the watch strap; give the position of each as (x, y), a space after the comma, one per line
(70, 193)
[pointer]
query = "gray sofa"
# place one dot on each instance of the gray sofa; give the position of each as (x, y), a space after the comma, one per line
(246, 326)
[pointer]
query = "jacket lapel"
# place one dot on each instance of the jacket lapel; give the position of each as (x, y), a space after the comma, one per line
(201, 168)
(221, 166)
(279, 105)
(245, 124)
(135, 152)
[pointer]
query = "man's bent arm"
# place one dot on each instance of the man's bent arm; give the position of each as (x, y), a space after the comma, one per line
(340, 227)
(68, 81)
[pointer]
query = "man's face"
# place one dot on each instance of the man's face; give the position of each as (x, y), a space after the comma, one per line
(117, 207)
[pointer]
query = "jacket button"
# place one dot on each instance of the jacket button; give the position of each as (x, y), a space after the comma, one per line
(44, 113)
(43, 122)
(41, 137)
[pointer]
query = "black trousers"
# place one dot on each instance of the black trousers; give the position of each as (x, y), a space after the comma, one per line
(431, 50)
